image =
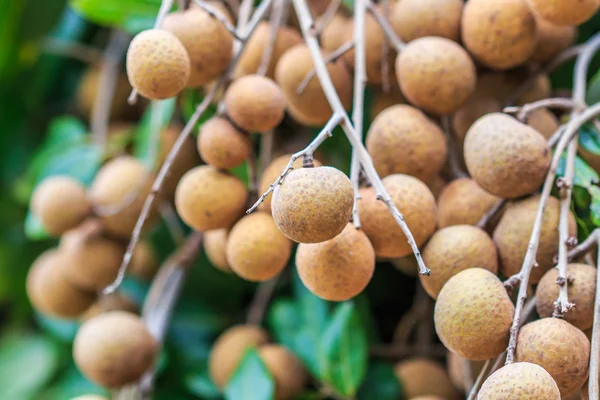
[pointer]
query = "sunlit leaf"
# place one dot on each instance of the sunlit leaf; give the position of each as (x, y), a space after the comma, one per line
(595, 205)
(251, 380)
(130, 15)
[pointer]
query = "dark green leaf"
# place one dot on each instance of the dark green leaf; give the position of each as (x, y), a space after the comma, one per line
(34, 230)
(585, 175)
(147, 138)
(589, 139)
(190, 98)
(595, 205)
(251, 380)
(593, 93)
(130, 15)
(380, 383)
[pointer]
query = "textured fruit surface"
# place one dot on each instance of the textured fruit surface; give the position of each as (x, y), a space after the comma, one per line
(565, 12)
(207, 198)
(423, 377)
(412, 19)
(337, 269)
(559, 348)
(473, 314)
(403, 140)
(463, 201)
(413, 199)
(221, 145)
(313, 204)
(215, 247)
(520, 380)
(110, 302)
(158, 66)
(114, 349)
(543, 121)
(287, 371)
(552, 39)
(506, 157)
(143, 262)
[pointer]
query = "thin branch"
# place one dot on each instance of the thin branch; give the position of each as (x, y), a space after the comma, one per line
(325, 18)
(586, 246)
(522, 112)
(266, 149)
(277, 15)
(210, 10)
(389, 32)
(385, 53)
(594, 393)
(332, 57)
(261, 300)
(172, 222)
(414, 315)
(491, 213)
(71, 49)
(453, 151)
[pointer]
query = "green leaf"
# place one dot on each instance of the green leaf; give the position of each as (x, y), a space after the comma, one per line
(146, 146)
(200, 384)
(593, 93)
(589, 139)
(190, 98)
(34, 230)
(380, 383)
(251, 380)
(131, 15)
(585, 175)
(595, 205)
(71, 384)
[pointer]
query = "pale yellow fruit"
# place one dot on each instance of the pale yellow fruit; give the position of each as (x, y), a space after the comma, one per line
(520, 380)
(221, 145)
(421, 377)
(215, 247)
(413, 19)
(87, 92)
(565, 12)
(383, 100)
(551, 40)
(463, 201)
(286, 369)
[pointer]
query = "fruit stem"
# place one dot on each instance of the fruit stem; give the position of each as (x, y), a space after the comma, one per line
(595, 348)
(390, 33)
(491, 213)
(332, 57)
(585, 246)
(221, 18)
(277, 16)
(522, 112)
(261, 300)
(325, 18)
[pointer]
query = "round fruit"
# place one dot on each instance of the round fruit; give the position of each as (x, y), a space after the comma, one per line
(559, 348)
(543, 121)
(520, 380)
(463, 201)
(384, 100)
(552, 40)
(60, 203)
(506, 157)
(186, 159)
(158, 66)
(421, 377)
(436, 74)
(413, 199)
(565, 12)
(215, 247)
(87, 91)
(541, 89)
(476, 107)
(331, 39)
(313, 205)
(143, 263)
(338, 269)
(108, 303)
(287, 371)
(436, 185)
(403, 140)
(458, 367)
(221, 145)
(207, 198)
(229, 349)
(413, 19)
(114, 349)
(473, 314)
(499, 33)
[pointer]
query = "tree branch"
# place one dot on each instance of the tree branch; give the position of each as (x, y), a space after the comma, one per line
(169, 216)
(327, 16)
(522, 112)
(585, 246)
(453, 151)
(261, 300)
(332, 57)
(221, 18)
(389, 32)
(72, 49)
(277, 15)
(385, 53)
(491, 213)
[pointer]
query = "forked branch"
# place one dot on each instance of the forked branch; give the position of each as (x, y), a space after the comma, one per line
(389, 32)
(332, 57)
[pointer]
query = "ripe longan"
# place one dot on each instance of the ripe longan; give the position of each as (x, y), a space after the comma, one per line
(337, 269)
(60, 202)
(423, 377)
(331, 39)
(474, 108)
(158, 66)
(287, 371)
(463, 201)
(313, 205)
(215, 247)
(403, 140)
(551, 40)
(143, 263)
(186, 159)
(221, 145)
(541, 89)
(413, 19)
(521, 380)
(543, 121)
(87, 91)
(114, 349)
(110, 302)
(207, 198)
(436, 185)
(565, 12)
(384, 100)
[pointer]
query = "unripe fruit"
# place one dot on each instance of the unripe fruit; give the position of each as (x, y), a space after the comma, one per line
(559, 348)
(413, 19)
(143, 263)
(520, 380)
(436, 74)
(402, 140)
(499, 33)
(207, 198)
(186, 159)
(338, 269)
(331, 39)
(207, 42)
(463, 201)
(506, 157)
(158, 66)
(255, 103)
(60, 203)
(287, 371)
(229, 349)
(552, 40)
(565, 12)
(114, 349)
(313, 205)
(473, 314)
(221, 145)
(421, 377)
(108, 303)
(215, 247)
(413, 199)
(454, 249)
(543, 121)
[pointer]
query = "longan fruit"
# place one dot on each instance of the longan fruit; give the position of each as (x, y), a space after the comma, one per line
(458, 367)
(51, 293)
(474, 108)
(221, 145)
(436, 74)
(287, 371)
(521, 380)
(463, 201)
(473, 314)
(501, 34)
(215, 248)
(514, 230)
(207, 198)
(158, 65)
(186, 159)
(413, 199)
(437, 185)
(543, 121)
(110, 302)
(582, 292)
(540, 89)
(407, 265)
(143, 263)
(87, 91)
(506, 157)
(551, 40)
(413, 19)
(422, 377)
(114, 349)
(454, 249)
(60, 202)
(559, 348)
(229, 349)
(565, 12)
(313, 205)
(337, 269)
(383, 100)
(208, 43)
(331, 39)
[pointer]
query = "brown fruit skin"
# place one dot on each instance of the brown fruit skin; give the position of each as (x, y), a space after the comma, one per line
(256, 248)
(338, 269)
(422, 377)
(313, 205)
(186, 159)
(221, 145)
(541, 89)
(402, 140)
(454, 249)
(543, 121)
(331, 39)
(255, 103)
(436, 185)
(158, 66)
(514, 229)
(457, 368)
(506, 157)
(473, 314)
(582, 292)
(565, 12)
(215, 247)
(559, 348)
(462, 202)
(229, 349)
(520, 380)
(287, 371)
(413, 19)
(476, 107)
(114, 349)
(208, 199)
(413, 199)
(60, 202)
(108, 303)
(143, 263)
(87, 92)
(207, 42)
(51, 293)
(500, 34)
(552, 40)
